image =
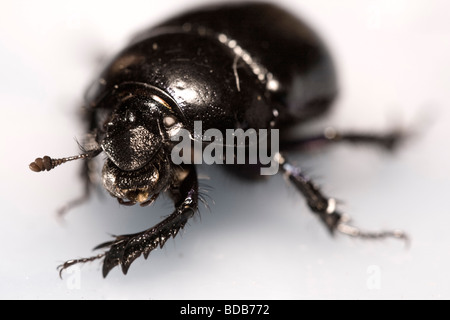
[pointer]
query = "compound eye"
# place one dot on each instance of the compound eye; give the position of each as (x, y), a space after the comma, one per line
(169, 121)
(172, 125)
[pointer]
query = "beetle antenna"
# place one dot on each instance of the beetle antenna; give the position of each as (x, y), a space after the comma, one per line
(46, 163)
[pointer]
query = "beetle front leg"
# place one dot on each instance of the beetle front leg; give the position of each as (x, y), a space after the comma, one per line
(127, 248)
(388, 141)
(87, 174)
(326, 208)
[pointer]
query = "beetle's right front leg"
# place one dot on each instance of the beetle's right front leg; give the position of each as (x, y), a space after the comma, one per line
(127, 248)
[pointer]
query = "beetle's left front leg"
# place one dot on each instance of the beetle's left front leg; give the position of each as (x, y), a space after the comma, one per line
(325, 207)
(127, 248)
(388, 141)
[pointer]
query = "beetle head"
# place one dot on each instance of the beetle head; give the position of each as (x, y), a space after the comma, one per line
(135, 141)
(133, 134)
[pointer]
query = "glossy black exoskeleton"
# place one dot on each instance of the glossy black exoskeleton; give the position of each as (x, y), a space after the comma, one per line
(231, 66)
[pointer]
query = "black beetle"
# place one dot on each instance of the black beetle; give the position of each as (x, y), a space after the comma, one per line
(249, 66)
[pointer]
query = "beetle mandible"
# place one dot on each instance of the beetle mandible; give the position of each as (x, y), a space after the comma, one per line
(230, 66)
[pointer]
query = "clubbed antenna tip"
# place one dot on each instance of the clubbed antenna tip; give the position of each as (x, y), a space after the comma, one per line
(46, 163)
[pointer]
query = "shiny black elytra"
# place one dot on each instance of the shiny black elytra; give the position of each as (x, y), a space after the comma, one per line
(233, 66)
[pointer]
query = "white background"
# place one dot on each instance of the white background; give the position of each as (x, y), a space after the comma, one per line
(259, 241)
